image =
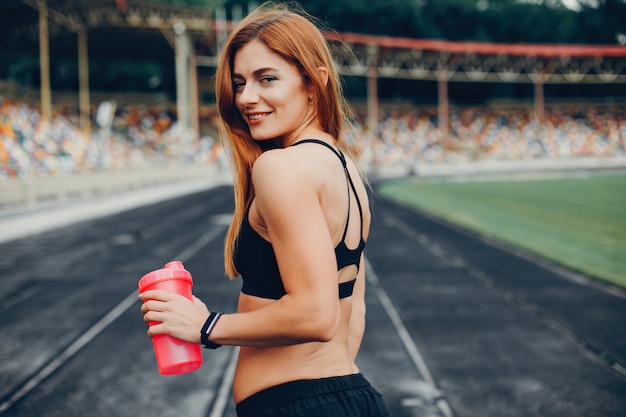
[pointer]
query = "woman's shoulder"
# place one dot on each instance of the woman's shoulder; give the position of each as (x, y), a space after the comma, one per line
(292, 158)
(309, 163)
(276, 162)
(280, 168)
(281, 184)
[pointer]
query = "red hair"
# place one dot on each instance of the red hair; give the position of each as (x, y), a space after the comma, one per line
(297, 40)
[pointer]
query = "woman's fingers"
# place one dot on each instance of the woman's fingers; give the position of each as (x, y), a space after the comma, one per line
(155, 329)
(153, 316)
(153, 305)
(173, 314)
(158, 295)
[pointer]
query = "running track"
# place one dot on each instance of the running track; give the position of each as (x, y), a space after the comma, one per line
(457, 326)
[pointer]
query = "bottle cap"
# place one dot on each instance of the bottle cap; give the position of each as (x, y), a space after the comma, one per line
(172, 270)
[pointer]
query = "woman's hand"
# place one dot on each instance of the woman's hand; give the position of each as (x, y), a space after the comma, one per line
(173, 315)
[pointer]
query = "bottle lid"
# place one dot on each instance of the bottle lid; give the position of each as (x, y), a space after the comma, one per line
(174, 269)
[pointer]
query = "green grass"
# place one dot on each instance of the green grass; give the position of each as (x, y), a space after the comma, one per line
(578, 222)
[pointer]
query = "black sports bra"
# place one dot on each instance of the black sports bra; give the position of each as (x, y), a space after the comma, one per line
(256, 262)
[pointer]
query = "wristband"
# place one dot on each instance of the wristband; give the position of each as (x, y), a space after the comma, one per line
(206, 330)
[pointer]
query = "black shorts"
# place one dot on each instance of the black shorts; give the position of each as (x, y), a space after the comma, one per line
(342, 396)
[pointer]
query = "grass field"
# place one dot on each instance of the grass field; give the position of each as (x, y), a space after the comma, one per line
(578, 222)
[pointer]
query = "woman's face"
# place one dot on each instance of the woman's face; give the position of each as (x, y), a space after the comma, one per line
(270, 94)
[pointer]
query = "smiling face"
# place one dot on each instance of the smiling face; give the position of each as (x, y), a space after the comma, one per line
(270, 94)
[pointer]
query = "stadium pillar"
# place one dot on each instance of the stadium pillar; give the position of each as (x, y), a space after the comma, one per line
(221, 29)
(195, 95)
(83, 82)
(443, 110)
(372, 88)
(44, 62)
(182, 74)
(539, 98)
(237, 14)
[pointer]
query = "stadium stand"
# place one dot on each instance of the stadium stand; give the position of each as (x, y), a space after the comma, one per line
(140, 137)
(143, 136)
(487, 133)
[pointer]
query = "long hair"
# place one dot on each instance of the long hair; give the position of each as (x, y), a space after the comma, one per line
(294, 37)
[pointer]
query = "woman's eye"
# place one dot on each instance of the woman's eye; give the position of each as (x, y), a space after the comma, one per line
(267, 79)
(238, 85)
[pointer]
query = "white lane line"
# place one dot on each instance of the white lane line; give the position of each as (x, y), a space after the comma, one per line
(515, 297)
(223, 394)
(198, 244)
(70, 351)
(219, 405)
(422, 238)
(97, 328)
(407, 341)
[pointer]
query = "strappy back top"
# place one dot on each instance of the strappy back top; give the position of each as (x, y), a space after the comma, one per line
(256, 262)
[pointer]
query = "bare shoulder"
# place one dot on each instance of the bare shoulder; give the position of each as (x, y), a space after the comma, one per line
(281, 175)
(278, 167)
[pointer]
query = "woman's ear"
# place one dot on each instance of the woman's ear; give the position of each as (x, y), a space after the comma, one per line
(323, 71)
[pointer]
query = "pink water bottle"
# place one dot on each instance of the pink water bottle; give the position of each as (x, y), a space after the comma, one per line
(173, 355)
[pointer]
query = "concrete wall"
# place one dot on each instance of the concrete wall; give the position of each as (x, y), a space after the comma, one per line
(31, 192)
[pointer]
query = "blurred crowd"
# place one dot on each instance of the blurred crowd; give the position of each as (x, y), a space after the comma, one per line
(413, 136)
(132, 137)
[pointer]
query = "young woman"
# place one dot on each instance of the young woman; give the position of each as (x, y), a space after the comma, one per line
(299, 228)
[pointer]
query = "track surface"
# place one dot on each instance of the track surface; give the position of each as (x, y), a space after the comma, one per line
(457, 326)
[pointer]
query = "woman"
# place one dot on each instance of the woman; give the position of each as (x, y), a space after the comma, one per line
(300, 224)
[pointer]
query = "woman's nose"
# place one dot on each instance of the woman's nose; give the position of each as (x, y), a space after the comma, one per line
(248, 94)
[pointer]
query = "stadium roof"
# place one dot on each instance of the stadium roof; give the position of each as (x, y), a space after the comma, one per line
(116, 27)
(19, 22)
(143, 29)
(16, 14)
(486, 48)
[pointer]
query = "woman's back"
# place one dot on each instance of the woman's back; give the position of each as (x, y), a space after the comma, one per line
(307, 184)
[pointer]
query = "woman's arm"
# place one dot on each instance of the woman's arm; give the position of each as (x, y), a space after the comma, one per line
(288, 203)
